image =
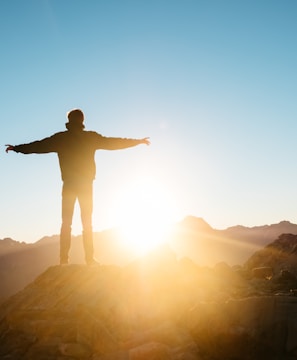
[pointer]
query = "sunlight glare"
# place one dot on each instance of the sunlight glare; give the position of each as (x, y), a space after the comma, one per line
(145, 211)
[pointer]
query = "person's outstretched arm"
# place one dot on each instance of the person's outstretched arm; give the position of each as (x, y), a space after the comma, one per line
(113, 143)
(38, 147)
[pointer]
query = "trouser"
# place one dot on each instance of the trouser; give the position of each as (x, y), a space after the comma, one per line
(83, 192)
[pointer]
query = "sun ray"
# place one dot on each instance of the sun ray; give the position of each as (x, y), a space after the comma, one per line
(144, 212)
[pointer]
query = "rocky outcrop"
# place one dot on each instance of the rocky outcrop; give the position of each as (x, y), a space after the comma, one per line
(155, 308)
(280, 260)
(251, 328)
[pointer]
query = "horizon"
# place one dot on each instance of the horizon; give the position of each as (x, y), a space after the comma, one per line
(192, 239)
(122, 234)
(213, 84)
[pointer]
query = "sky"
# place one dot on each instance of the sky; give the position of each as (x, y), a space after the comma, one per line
(213, 83)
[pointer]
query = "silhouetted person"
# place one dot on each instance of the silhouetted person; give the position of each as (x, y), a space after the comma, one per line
(76, 152)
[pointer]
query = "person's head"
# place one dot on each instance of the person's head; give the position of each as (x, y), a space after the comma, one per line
(75, 120)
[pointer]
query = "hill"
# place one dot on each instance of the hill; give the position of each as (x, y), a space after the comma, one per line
(157, 307)
(280, 256)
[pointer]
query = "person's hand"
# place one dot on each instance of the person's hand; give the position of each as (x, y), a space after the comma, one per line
(145, 141)
(9, 148)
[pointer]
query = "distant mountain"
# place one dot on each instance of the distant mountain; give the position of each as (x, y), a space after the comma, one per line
(193, 238)
(196, 239)
(262, 234)
(9, 245)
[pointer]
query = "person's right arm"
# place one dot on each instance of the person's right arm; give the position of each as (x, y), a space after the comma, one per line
(38, 147)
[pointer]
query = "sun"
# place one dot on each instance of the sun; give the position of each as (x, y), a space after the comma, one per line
(144, 212)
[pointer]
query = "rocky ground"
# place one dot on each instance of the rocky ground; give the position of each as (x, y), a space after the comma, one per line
(156, 308)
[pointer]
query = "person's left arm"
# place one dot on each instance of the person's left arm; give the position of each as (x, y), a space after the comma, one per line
(115, 143)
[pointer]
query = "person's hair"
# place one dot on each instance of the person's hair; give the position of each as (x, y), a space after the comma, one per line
(75, 115)
(75, 119)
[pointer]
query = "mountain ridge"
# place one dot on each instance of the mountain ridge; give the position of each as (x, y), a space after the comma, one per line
(190, 220)
(191, 238)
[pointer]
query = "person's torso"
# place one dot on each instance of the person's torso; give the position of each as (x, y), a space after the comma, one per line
(76, 152)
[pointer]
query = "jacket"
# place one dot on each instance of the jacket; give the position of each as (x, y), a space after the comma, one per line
(76, 151)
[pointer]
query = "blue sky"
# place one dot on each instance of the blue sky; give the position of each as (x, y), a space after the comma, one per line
(213, 83)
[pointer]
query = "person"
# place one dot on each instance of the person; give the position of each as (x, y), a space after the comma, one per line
(76, 149)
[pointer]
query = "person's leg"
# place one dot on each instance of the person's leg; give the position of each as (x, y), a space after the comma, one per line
(85, 198)
(68, 201)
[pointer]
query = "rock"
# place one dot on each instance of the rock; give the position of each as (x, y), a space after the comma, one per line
(120, 355)
(263, 272)
(75, 350)
(42, 351)
(151, 351)
(188, 352)
(176, 311)
(280, 254)
(166, 333)
(15, 343)
(93, 333)
(286, 276)
(263, 325)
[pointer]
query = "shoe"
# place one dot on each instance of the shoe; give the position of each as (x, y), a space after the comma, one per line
(93, 262)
